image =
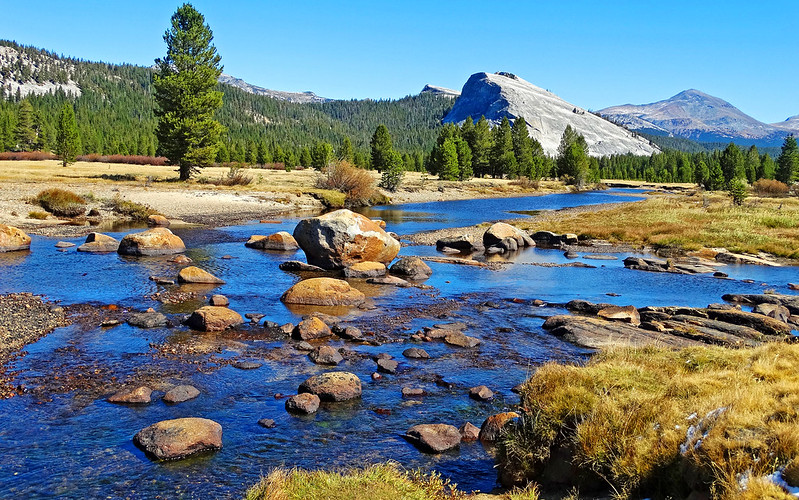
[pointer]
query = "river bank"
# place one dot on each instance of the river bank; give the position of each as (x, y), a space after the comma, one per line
(270, 194)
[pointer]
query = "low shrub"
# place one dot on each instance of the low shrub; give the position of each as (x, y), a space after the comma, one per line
(131, 209)
(770, 187)
(158, 161)
(27, 155)
(61, 202)
(355, 183)
(38, 215)
(236, 176)
(526, 183)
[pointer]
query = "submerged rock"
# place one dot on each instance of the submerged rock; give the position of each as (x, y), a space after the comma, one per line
(333, 386)
(280, 241)
(434, 438)
(194, 274)
(214, 318)
(323, 292)
(98, 243)
(136, 396)
(156, 241)
(459, 339)
(389, 281)
(341, 238)
(411, 267)
(13, 239)
(148, 319)
(303, 403)
(326, 355)
(179, 438)
(415, 353)
(180, 393)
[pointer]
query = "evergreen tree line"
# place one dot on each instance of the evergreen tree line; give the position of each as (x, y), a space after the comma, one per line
(115, 115)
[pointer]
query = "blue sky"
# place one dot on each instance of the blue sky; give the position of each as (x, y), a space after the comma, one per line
(593, 54)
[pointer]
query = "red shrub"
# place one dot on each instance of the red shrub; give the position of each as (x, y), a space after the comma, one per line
(27, 155)
(769, 187)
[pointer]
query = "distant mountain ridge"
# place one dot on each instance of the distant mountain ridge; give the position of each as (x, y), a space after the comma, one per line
(442, 91)
(695, 115)
(302, 97)
(504, 94)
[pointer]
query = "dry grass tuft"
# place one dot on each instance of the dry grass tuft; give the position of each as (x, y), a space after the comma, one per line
(357, 185)
(657, 421)
(135, 211)
(689, 223)
(61, 202)
(770, 187)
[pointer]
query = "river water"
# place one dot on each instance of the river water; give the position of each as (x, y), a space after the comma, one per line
(72, 443)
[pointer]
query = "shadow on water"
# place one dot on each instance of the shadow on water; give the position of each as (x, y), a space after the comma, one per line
(63, 439)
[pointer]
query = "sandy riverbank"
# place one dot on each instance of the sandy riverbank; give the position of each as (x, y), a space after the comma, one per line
(271, 194)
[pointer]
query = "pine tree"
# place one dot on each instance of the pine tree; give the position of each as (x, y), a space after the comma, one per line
(732, 163)
(449, 170)
(752, 164)
(345, 152)
(479, 141)
(523, 149)
(392, 173)
(502, 161)
(767, 167)
(701, 173)
(67, 142)
(381, 148)
(788, 161)
(305, 157)
(464, 159)
(186, 95)
(569, 137)
(715, 180)
(322, 155)
(24, 133)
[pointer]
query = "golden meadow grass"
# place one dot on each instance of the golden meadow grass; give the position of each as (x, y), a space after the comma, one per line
(689, 223)
(626, 413)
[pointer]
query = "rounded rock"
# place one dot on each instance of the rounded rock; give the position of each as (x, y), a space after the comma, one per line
(333, 386)
(179, 438)
(13, 239)
(99, 243)
(434, 438)
(323, 292)
(415, 353)
(180, 393)
(214, 318)
(304, 403)
(137, 396)
(411, 267)
(194, 274)
(156, 241)
(326, 355)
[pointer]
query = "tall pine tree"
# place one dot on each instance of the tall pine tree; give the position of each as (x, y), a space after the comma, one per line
(67, 143)
(381, 148)
(24, 133)
(788, 161)
(502, 161)
(186, 95)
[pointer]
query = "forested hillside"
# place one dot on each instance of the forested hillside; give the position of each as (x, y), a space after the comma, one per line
(114, 111)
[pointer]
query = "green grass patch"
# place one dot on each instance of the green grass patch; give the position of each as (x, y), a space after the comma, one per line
(61, 202)
(131, 209)
(626, 419)
(38, 215)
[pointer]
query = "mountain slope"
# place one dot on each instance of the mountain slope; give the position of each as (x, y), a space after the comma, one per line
(695, 115)
(791, 125)
(442, 91)
(304, 97)
(503, 94)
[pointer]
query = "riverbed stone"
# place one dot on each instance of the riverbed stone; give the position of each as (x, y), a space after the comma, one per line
(412, 268)
(281, 241)
(499, 231)
(297, 266)
(304, 403)
(349, 333)
(13, 239)
(179, 438)
(333, 386)
(365, 270)
(493, 425)
(156, 241)
(460, 243)
(219, 301)
(415, 353)
(180, 393)
(64, 244)
(461, 340)
(132, 396)
(341, 238)
(776, 311)
(156, 220)
(469, 432)
(326, 355)
(434, 438)
(481, 393)
(247, 365)
(214, 318)
(311, 328)
(410, 392)
(147, 319)
(180, 259)
(323, 292)
(267, 423)
(626, 314)
(387, 366)
(99, 243)
(194, 274)
(389, 281)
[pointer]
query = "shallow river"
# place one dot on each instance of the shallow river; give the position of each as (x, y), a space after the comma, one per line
(75, 444)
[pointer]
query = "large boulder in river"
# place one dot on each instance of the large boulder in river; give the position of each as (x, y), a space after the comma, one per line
(214, 319)
(434, 438)
(339, 239)
(499, 231)
(13, 239)
(98, 242)
(179, 438)
(156, 241)
(194, 274)
(280, 241)
(411, 267)
(333, 386)
(323, 292)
